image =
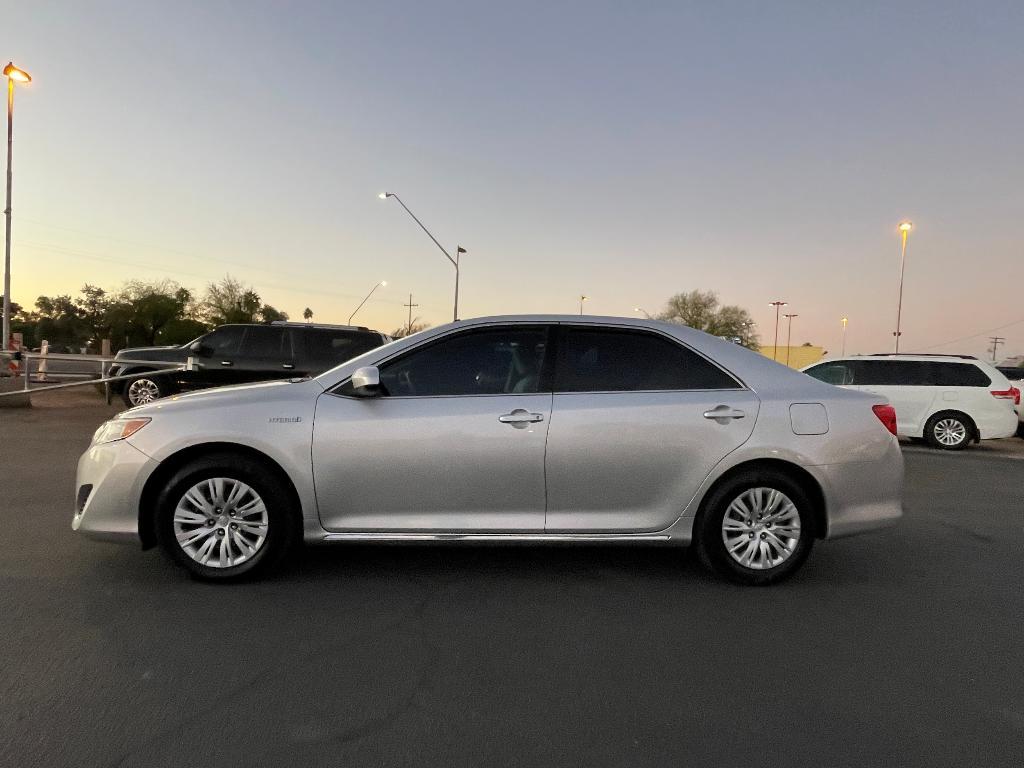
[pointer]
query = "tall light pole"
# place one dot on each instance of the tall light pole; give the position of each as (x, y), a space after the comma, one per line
(789, 335)
(582, 299)
(13, 75)
(459, 250)
(844, 321)
(378, 285)
(775, 348)
(904, 228)
(643, 311)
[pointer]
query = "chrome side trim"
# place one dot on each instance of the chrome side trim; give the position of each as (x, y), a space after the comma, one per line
(495, 537)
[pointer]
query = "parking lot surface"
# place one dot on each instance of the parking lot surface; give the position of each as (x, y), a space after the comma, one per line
(897, 648)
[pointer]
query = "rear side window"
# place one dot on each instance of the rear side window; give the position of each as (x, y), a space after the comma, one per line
(224, 340)
(328, 347)
(906, 373)
(267, 342)
(832, 373)
(961, 375)
(612, 360)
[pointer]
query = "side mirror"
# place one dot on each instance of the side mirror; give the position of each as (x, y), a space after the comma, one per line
(366, 381)
(199, 349)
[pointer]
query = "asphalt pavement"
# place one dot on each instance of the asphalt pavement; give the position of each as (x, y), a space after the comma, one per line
(902, 647)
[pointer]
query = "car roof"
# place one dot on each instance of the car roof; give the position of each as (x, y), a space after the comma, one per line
(922, 358)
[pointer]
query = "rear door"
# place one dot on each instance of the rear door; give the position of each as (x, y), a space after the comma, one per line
(909, 385)
(638, 422)
(328, 347)
(266, 353)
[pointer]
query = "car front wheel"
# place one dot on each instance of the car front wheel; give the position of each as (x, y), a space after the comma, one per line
(225, 517)
(756, 528)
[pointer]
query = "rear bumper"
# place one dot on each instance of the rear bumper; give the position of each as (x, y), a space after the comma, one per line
(863, 495)
(109, 509)
(998, 425)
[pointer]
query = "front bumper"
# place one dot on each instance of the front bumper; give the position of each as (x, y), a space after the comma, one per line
(109, 509)
(862, 495)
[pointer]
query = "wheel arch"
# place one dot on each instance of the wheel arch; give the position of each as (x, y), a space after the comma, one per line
(174, 462)
(795, 472)
(971, 424)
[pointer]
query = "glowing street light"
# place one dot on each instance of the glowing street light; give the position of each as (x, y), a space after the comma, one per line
(844, 321)
(459, 250)
(381, 284)
(13, 75)
(778, 305)
(904, 230)
(643, 311)
(582, 299)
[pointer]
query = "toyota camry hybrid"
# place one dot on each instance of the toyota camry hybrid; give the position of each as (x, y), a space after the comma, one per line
(504, 429)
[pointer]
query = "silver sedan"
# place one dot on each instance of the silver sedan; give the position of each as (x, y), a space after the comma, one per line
(504, 429)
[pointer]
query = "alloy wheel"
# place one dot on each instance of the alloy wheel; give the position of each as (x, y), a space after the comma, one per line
(220, 522)
(950, 432)
(761, 528)
(142, 391)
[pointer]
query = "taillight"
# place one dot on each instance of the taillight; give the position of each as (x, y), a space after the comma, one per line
(887, 415)
(1007, 394)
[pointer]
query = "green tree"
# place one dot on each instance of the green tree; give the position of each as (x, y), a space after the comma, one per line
(269, 314)
(409, 330)
(307, 314)
(229, 301)
(701, 310)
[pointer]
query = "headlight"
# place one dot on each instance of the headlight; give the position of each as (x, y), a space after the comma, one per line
(118, 429)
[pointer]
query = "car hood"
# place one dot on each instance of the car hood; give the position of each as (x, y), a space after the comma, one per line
(223, 397)
(153, 353)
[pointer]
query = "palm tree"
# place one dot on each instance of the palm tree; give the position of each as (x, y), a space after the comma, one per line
(307, 314)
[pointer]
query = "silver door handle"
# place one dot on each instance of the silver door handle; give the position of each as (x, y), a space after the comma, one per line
(520, 417)
(289, 366)
(226, 362)
(723, 413)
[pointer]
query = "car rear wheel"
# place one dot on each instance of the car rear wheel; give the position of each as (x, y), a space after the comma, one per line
(756, 528)
(949, 430)
(145, 390)
(225, 517)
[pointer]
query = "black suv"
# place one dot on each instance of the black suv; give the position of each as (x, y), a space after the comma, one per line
(235, 354)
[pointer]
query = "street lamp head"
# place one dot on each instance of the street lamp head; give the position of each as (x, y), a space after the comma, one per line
(386, 195)
(460, 249)
(778, 303)
(384, 283)
(905, 226)
(18, 75)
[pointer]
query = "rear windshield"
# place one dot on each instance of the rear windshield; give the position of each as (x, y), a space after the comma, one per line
(328, 347)
(906, 373)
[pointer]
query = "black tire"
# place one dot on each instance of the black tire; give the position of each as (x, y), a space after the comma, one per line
(944, 423)
(158, 386)
(711, 544)
(281, 532)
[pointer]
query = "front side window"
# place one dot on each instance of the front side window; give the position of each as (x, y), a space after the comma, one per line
(492, 361)
(613, 360)
(224, 340)
(832, 373)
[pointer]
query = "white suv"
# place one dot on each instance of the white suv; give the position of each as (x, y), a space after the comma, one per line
(948, 400)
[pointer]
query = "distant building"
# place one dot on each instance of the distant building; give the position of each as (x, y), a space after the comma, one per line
(798, 357)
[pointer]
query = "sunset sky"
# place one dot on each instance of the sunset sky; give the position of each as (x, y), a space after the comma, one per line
(626, 151)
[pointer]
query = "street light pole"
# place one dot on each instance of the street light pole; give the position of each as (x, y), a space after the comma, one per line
(775, 348)
(644, 311)
(582, 299)
(845, 321)
(12, 73)
(904, 228)
(459, 250)
(378, 285)
(789, 335)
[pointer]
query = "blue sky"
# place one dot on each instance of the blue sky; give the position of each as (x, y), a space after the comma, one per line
(622, 150)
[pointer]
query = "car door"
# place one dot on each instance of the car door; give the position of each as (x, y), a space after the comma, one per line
(266, 353)
(638, 422)
(454, 442)
(220, 349)
(908, 385)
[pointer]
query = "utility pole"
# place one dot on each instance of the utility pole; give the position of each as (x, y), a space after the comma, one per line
(789, 335)
(778, 305)
(996, 341)
(410, 305)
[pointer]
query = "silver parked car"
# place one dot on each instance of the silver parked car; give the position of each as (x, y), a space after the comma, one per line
(527, 428)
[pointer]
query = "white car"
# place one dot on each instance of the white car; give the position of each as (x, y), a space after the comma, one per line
(949, 400)
(1016, 378)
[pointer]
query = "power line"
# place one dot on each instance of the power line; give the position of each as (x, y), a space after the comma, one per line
(972, 336)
